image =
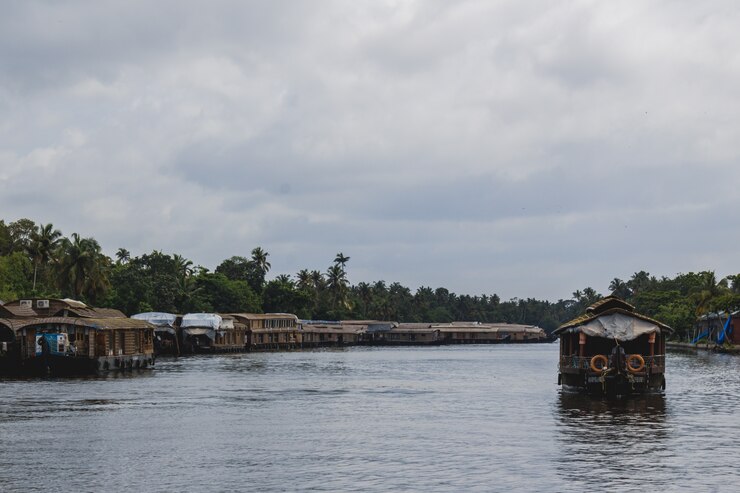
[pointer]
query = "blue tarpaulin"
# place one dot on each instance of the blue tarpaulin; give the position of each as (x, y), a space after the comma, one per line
(727, 329)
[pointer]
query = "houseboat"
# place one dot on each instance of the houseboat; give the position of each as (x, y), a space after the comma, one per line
(269, 330)
(212, 333)
(319, 333)
(66, 336)
(452, 333)
(486, 333)
(166, 331)
(612, 350)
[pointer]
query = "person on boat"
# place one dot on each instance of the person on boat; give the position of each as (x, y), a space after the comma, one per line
(617, 358)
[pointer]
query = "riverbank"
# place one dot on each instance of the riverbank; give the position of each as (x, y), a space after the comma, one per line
(717, 348)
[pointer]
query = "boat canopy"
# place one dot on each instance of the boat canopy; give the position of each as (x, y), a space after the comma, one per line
(613, 318)
(158, 319)
(209, 320)
(617, 326)
(199, 331)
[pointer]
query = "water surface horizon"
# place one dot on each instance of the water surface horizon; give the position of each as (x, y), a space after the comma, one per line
(450, 418)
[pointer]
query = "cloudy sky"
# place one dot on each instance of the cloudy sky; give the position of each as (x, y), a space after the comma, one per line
(525, 148)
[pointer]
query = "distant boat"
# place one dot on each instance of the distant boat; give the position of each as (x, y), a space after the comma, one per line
(612, 350)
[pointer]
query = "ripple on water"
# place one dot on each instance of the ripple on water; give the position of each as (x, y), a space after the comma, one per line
(472, 418)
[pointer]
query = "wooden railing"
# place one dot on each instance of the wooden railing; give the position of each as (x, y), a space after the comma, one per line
(584, 363)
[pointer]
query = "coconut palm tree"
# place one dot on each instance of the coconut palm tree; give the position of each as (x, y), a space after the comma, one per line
(259, 257)
(43, 244)
(82, 267)
(317, 279)
(340, 259)
(183, 266)
(709, 290)
(304, 279)
(336, 283)
(123, 256)
(620, 289)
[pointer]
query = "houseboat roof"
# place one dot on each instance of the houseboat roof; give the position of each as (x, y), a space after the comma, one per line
(201, 320)
(160, 319)
(45, 307)
(339, 328)
(17, 311)
(613, 318)
(93, 323)
(264, 316)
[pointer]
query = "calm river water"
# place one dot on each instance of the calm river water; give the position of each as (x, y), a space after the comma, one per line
(462, 418)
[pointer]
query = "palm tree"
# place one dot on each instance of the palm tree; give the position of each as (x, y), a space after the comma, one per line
(709, 290)
(304, 279)
(365, 294)
(590, 295)
(317, 279)
(82, 267)
(187, 288)
(284, 279)
(639, 282)
(43, 243)
(123, 256)
(259, 257)
(336, 282)
(183, 266)
(619, 288)
(340, 259)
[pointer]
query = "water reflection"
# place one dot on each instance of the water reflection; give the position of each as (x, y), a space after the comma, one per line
(617, 443)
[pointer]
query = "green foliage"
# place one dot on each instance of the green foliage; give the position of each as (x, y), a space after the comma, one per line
(281, 295)
(6, 242)
(32, 254)
(221, 294)
(678, 314)
(16, 272)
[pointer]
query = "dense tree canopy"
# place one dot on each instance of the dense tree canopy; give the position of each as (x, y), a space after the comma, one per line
(37, 260)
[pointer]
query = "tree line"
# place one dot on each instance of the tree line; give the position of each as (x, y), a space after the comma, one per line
(37, 260)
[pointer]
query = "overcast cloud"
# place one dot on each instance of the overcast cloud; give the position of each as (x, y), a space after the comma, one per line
(522, 148)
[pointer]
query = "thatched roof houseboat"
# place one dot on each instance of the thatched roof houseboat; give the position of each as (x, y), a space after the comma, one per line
(612, 350)
(67, 336)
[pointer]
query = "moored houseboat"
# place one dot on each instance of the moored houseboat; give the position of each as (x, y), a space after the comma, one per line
(612, 350)
(488, 333)
(319, 333)
(270, 330)
(166, 331)
(67, 336)
(211, 333)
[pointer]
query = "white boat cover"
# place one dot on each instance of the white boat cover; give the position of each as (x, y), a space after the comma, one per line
(207, 320)
(617, 326)
(199, 331)
(158, 319)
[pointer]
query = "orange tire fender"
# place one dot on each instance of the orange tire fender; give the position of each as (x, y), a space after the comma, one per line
(599, 358)
(635, 358)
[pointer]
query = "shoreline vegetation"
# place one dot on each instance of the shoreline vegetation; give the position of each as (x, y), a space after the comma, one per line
(37, 260)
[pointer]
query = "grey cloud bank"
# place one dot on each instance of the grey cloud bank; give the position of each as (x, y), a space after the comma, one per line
(521, 148)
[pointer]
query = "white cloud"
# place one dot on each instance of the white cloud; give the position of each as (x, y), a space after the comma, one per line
(524, 148)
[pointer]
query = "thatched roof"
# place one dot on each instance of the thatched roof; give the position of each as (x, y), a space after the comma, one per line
(609, 306)
(93, 323)
(17, 311)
